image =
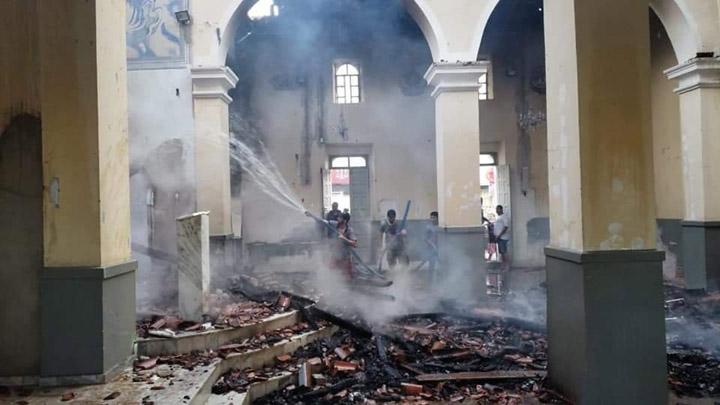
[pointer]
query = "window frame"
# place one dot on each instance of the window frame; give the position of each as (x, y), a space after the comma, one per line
(494, 156)
(337, 64)
(331, 158)
(489, 87)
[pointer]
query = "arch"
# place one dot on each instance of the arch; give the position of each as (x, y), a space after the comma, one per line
(683, 33)
(229, 23)
(234, 12)
(421, 12)
(482, 25)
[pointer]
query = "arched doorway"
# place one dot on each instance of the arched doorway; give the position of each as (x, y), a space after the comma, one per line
(512, 126)
(336, 79)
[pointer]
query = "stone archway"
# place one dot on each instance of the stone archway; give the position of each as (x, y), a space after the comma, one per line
(217, 28)
(684, 35)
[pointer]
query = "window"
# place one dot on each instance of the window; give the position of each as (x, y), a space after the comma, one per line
(487, 159)
(483, 92)
(345, 162)
(347, 84)
(262, 9)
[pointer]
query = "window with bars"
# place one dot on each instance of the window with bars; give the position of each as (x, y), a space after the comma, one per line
(347, 84)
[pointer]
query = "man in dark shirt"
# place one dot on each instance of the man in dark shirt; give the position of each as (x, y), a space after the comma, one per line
(333, 215)
(394, 239)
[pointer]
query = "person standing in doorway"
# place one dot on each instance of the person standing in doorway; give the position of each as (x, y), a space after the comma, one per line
(394, 240)
(502, 232)
(333, 215)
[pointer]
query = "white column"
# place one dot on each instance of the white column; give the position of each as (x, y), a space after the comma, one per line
(457, 126)
(699, 92)
(212, 144)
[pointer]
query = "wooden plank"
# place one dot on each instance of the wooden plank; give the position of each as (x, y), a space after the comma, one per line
(411, 369)
(479, 376)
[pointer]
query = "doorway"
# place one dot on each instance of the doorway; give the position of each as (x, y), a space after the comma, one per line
(347, 182)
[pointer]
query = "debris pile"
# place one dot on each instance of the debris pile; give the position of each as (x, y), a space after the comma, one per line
(225, 312)
(191, 360)
(432, 344)
(693, 372)
(693, 346)
(422, 358)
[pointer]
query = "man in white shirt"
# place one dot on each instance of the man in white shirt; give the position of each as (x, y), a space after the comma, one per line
(502, 232)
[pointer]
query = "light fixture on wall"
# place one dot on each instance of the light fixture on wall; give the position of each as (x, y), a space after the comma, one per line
(183, 17)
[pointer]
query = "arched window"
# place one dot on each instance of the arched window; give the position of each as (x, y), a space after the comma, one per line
(262, 9)
(344, 162)
(487, 159)
(347, 84)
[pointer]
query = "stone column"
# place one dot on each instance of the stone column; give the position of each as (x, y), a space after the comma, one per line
(605, 318)
(87, 289)
(699, 92)
(212, 144)
(457, 140)
(193, 247)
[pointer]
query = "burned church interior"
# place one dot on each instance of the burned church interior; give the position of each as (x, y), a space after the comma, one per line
(360, 201)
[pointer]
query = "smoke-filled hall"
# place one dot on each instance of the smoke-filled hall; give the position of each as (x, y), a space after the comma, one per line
(360, 202)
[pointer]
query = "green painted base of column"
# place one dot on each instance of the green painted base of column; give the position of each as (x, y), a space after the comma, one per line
(87, 318)
(606, 326)
(701, 255)
(462, 267)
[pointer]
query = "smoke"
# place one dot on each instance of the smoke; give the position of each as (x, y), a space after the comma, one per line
(284, 97)
(264, 173)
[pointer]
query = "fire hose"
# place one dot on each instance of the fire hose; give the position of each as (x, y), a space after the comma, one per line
(363, 268)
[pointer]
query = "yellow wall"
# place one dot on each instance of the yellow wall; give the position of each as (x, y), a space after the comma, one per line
(615, 126)
(113, 132)
(84, 105)
(667, 148)
(599, 125)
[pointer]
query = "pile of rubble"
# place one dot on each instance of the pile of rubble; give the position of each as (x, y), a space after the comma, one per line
(417, 359)
(191, 360)
(693, 346)
(693, 372)
(225, 312)
(429, 344)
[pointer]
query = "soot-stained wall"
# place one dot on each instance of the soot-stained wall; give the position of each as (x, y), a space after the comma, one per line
(161, 135)
(285, 98)
(21, 243)
(162, 179)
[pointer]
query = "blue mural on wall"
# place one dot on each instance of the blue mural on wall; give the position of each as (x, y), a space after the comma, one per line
(154, 37)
